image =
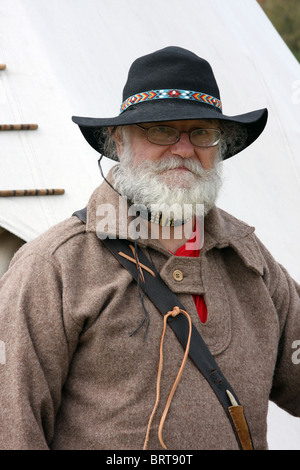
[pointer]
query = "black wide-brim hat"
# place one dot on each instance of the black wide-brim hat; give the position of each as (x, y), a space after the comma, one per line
(172, 84)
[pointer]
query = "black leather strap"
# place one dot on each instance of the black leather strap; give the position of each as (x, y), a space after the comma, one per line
(165, 300)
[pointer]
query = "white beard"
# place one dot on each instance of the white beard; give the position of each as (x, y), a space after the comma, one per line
(154, 184)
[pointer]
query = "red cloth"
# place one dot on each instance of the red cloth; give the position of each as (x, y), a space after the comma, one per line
(198, 299)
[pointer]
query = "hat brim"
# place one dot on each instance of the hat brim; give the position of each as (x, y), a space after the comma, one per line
(171, 110)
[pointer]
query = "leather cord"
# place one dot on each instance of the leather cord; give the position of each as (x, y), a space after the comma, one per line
(176, 310)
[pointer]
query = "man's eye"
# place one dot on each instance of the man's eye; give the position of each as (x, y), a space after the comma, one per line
(162, 130)
(166, 131)
(201, 132)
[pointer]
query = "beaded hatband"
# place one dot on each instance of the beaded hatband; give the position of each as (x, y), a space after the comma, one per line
(170, 93)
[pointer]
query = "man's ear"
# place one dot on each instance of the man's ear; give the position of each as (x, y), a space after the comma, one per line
(113, 130)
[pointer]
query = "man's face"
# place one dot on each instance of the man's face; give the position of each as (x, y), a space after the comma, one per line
(179, 173)
(144, 150)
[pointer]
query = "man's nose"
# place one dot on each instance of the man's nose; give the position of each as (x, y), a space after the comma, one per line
(184, 148)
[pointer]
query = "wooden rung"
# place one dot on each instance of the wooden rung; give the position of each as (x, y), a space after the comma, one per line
(2, 66)
(31, 192)
(18, 127)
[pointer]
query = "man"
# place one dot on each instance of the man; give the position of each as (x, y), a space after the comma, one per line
(81, 362)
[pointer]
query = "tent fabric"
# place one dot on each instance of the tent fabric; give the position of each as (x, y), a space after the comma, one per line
(71, 58)
(9, 244)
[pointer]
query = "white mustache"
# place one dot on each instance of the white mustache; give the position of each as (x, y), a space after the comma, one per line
(171, 163)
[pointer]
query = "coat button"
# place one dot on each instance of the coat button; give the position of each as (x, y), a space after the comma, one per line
(177, 275)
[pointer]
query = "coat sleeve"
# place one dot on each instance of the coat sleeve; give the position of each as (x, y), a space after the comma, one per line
(285, 294)
(35, 352)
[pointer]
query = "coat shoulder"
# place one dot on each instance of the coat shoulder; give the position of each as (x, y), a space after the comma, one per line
(67, 232)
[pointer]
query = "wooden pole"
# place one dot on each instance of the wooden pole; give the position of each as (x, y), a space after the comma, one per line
(2, 66)
(18, 127)
(31, 192)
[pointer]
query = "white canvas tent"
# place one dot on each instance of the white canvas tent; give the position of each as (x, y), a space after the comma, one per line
(66, 57)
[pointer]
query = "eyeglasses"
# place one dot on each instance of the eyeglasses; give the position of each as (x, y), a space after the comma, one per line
(165, 135)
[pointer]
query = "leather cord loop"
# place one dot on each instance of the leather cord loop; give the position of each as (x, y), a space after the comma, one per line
(176, 310)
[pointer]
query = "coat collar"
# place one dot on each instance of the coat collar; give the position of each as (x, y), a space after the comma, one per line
(221, 230)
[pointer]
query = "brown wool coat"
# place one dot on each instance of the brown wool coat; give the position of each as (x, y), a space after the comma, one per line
(73, 376)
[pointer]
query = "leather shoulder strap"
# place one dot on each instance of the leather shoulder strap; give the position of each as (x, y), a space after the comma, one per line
(165, 300)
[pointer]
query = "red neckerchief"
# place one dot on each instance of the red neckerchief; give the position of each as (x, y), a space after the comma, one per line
(198, 299)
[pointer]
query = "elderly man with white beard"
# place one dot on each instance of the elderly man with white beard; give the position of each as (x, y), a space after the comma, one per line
(142, 322)
(171, 180)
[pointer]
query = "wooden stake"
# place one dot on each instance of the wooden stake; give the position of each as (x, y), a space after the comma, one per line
(18, 127)
(31, 192)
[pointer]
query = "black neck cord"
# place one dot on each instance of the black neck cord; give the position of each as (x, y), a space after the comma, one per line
(141, 294)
